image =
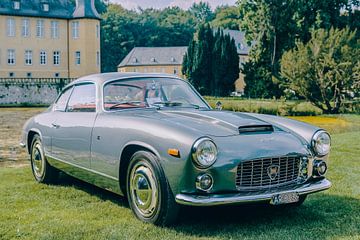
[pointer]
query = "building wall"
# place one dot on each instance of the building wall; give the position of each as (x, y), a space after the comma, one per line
(88, 44)
(169, 69)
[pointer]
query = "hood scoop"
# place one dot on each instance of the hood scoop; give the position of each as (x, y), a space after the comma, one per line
(256, 129)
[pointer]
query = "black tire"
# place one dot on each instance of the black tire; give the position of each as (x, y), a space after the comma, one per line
(144, 176)
(41, 169)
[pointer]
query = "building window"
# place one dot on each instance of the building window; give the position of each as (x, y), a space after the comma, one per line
(43, 58)
(77, 58)
(54, 29)
(97, 31)
(11, 57)
(29, 74)
(25, 28)
(11, 74)
(40, 28)
(57, 75)
(10, 27)
(45, 7)
(56, 57)
(176, 70)
(16, 5)
(98, 58)
(75, 29)
(28, 57)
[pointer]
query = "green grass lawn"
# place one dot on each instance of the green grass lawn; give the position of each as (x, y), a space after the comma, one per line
(76, 210)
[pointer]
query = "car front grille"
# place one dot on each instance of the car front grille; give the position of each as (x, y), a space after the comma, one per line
(267, 173)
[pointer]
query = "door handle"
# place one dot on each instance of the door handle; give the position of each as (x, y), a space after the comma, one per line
(55, 125)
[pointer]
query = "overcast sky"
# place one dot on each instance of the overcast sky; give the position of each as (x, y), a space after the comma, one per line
(133, 4)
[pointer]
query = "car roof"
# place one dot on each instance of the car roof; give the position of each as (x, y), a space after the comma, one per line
(105, 77)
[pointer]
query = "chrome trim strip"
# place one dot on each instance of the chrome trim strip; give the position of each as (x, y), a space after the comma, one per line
(222, 199)
(84, 168)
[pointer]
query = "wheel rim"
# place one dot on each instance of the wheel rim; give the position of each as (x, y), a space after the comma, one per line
(37, 159)
(144, 190)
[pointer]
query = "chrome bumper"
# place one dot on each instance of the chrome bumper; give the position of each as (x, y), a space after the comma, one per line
(222, 199)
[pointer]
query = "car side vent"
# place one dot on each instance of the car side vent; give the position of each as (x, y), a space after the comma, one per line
(255, 129)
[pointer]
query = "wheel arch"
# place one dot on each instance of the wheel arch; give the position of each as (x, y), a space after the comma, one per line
(32, 132)
(125, 156)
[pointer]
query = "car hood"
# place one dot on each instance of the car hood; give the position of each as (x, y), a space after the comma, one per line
(209, 122)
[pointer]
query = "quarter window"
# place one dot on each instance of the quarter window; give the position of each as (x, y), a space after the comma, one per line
(25, 28)
(11, 57)
(28, 57)
(61, 102)
(82, 99)
(54, 29)
(75, 29)
(43, 58)
(40, 28)
(10, 27)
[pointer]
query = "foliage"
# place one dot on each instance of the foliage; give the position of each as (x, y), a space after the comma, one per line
(124, 29)
(211, 63)
(226, 17)
(275, 25)
(324, 70)
(202, 12)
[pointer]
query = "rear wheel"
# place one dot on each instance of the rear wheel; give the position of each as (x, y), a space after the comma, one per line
(148, 191)
(41, 169)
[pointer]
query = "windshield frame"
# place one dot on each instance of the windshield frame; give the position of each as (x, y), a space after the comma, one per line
(208, 107)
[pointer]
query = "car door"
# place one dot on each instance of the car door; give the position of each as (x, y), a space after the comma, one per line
(71, 139)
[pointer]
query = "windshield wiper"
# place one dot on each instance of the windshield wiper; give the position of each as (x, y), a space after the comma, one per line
(175, 104)
(132, 103)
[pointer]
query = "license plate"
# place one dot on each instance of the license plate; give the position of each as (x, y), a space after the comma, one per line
(284, 198)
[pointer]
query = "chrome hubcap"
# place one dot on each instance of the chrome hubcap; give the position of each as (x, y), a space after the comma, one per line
(144, 190)
(37, 160)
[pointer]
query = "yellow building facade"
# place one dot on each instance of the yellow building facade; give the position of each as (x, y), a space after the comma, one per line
(49, 39)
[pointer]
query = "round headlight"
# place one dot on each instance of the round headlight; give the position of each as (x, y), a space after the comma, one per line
(321, 143)
(204, 152)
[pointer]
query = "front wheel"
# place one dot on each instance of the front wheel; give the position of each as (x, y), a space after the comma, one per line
(41, 169)
(148, 191)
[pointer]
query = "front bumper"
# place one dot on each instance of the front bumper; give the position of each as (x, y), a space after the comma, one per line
(223, 199)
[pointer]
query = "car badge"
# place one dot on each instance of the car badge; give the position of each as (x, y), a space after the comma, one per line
(273, 171)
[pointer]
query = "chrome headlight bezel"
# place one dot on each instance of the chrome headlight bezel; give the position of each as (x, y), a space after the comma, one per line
(196, 151)
(315, 141)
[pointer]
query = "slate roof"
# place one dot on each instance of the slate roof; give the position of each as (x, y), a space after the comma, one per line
(63, 9)
(241, 45)
(140, 56)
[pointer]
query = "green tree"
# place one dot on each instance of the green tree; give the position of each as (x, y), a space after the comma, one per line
(202, 12)
(226, 18)
(324, 70)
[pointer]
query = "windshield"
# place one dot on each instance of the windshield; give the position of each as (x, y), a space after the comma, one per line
(150, 92)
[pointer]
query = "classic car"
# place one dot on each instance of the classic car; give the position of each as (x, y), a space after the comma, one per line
(155, 140)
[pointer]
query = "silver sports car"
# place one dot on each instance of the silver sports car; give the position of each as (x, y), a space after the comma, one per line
(154, 139)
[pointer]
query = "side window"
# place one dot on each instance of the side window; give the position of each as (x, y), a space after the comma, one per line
(82, 99)
(60, 104)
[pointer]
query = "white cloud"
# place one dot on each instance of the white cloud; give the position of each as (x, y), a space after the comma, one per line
(185, 4)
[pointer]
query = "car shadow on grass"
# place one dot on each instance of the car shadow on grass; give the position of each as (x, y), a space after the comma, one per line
(321, 216)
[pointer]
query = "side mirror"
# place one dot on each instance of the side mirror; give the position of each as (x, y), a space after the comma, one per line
(219, 106)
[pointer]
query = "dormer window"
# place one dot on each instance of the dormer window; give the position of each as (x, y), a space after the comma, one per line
(45, 7)
(153, 59)
(172, 59)
(16, 5)
(135, 60)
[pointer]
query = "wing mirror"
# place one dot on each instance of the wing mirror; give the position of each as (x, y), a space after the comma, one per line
(218, 106)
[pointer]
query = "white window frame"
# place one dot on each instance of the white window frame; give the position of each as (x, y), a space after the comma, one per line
(77, 58)
(97, 31)
(25, 27)
(40, 30)
(54, 29)
(10, 27)
(75, 26)
(11, 57)
(28, 57)
(43, 57)
(16, 5)
(45, 7)
(56, 58)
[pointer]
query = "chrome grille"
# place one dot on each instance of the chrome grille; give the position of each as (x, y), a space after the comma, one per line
(253, 174)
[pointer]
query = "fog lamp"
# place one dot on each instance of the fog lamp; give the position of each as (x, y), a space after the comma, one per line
(204, 182)
(320, 168)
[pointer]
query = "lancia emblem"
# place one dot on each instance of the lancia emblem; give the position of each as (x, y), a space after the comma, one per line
(273, 171)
